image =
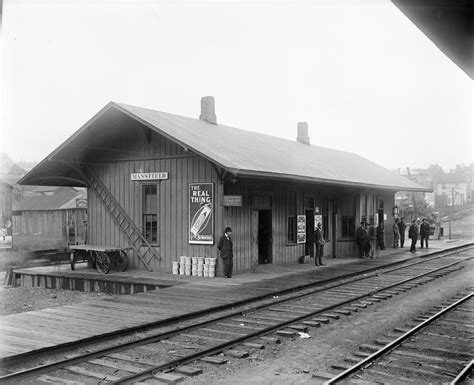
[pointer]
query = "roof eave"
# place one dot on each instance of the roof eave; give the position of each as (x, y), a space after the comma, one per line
(333, 182)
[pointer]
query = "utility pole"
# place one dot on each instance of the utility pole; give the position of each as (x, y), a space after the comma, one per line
(452, 210)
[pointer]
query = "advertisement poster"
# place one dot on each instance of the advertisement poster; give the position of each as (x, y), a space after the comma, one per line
(301, 229)
(318, 219)
(201, 213)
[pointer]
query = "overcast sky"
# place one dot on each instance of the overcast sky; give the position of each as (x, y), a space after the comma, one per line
(359, 72)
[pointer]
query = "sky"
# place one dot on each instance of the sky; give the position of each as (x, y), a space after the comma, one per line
(359, 72)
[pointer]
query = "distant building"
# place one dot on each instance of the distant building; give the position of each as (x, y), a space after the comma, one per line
(62, 217)
(453, 190)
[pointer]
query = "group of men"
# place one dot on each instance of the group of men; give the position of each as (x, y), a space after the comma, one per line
(225, 244)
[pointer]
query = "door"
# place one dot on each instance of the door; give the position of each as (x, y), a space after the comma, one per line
(264, 236)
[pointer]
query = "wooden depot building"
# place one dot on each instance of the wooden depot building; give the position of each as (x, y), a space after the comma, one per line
(167, 185)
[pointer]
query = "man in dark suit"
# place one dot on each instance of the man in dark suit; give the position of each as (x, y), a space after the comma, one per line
(225, 247)
(424, 232)
(319, 242)
(401, 227)
(413, 235)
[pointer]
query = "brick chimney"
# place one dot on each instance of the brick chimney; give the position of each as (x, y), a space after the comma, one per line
(303, 133)
(208, 110)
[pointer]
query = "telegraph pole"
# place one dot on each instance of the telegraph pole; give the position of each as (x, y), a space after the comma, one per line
(452, 210)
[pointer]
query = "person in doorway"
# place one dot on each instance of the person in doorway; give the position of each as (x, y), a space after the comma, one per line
(319, 245)
(225, 247)
(413, 235)
(424, 232)
(361, 237)
(396, 234)
(380, 233)
(401, 227)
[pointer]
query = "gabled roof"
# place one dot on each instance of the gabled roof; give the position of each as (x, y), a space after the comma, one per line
(239, 152)
(48, 202)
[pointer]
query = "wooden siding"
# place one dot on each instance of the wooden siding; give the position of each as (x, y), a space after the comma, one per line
(183, 168)
(51, 223)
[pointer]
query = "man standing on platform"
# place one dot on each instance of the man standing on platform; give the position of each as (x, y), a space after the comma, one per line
(396, 234)
(319, 243)
(413, 235)
(401, 227)
(225, 246)
(424, 232)
(361, 236)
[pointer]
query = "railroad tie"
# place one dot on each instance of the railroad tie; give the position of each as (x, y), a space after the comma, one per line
(368, 348)
(343, 312)
(331, 315)
(321, 320)
(285, 333)
(214, 360)
(188, 371)
(254, 345)
(299, 328)
(313, 324)
(168, 378)
(236, 353)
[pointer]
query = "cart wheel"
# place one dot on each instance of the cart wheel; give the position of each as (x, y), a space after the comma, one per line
(103, 262)
(73, 264)
(122, 261)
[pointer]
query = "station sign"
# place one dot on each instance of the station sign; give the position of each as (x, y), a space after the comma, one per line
(232, 200)
(139, 176)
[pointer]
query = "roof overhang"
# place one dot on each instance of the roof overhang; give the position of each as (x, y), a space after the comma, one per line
(448, 24)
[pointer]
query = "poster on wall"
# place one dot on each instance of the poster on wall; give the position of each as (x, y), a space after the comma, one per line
(301, 229)
(318, 219)
(201, 213)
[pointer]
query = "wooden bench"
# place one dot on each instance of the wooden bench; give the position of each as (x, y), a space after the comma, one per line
(101, 257)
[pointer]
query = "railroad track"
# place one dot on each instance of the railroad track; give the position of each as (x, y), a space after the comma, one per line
(168, 354)
(437, 347)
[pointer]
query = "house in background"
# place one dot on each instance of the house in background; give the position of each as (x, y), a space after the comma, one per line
(166, 185)
(61, 217)
(453, 190)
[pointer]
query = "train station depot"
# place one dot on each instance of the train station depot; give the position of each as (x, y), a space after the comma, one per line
(167, 185)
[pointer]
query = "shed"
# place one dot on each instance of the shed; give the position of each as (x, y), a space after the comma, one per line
(63, 217)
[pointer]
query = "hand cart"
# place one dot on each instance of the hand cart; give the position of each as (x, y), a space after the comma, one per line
(101, 257)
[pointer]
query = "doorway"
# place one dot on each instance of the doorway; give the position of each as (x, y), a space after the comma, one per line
(264, 236)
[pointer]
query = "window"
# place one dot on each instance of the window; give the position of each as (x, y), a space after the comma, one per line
(291, 207)
(150, 213)
(348, 219)
(348, 227)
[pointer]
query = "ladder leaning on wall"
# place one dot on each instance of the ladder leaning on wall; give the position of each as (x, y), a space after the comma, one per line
(143, 249)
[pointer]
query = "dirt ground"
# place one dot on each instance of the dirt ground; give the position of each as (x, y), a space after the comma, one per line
(295, 361)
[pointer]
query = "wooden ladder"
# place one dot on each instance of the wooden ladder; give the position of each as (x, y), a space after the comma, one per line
(145, 251)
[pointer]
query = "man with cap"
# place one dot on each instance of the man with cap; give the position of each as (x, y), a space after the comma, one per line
(225, 247)
(319, 242)
(413, 235)
(424, 232)
(401, 227)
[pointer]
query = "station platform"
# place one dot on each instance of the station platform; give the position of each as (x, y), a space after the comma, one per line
(166, 296)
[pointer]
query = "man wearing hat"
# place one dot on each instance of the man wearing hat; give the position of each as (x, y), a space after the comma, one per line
(227, 255)
(319, 242)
